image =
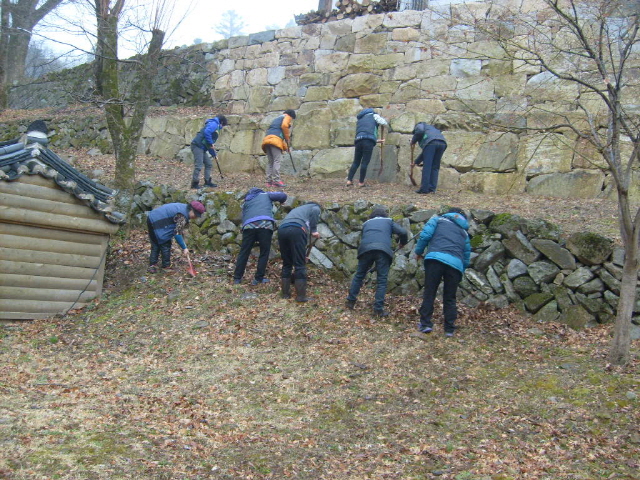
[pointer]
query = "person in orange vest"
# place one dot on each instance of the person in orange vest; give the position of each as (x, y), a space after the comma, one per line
(277, 141)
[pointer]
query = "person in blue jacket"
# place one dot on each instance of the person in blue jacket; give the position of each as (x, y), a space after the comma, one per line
(448, 251)
(258, 225)
(375, 247)
(366, 137)
(433, 145)
(166, 222)
(203, 142)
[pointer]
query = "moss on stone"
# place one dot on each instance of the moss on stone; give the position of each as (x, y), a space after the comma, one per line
(477, 240)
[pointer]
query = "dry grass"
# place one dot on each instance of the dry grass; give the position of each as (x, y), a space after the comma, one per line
(172, 377)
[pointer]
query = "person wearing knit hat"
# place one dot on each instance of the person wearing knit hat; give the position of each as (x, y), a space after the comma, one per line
(166, 223)
(375, 248)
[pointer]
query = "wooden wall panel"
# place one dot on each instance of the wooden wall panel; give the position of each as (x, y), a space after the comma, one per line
(50, 234)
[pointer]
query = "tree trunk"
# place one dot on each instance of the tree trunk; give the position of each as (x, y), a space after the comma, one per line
(630, 233)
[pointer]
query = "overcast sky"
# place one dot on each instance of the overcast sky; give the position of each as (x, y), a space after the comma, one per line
(197, 21)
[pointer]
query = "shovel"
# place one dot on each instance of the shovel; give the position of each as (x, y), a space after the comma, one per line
(191, 271)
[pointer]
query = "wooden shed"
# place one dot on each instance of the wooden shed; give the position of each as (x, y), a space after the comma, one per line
(55, 225)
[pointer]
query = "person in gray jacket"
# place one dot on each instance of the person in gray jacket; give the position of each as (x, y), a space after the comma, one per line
(375, 247)
(433, 147)
(293, 234)
(258, 225)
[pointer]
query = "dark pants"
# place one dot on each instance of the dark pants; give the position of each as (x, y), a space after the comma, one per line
(435, 271)
(249, 237)
(430, 160)
(200, 158)
(361, 158)
(158, 248)
(383, 263)
(293, 249)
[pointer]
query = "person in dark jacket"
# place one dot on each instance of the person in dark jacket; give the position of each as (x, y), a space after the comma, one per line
(203, 142)
(293, 233)
(276, 141)
(447, 257)
(433, 146)
(375, 247)
(166, 222)
(257, 226)
(366, 137)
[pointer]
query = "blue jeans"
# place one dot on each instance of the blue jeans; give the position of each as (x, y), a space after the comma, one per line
(365, 261)
(430, 160)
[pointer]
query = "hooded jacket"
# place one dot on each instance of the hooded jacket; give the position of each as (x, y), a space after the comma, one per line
(426, 135)
(377, 233)
(278, 133)
(258, 205)
(447, 240)
(367, 125)
(206, 137)
(304, 216)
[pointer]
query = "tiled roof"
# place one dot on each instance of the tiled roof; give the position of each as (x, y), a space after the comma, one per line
(16, 160)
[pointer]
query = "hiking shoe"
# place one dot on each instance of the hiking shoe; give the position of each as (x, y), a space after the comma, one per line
(269, 184)
(152, 269)
(210, 184)
(258, 282)
(350, 304)
(237, 281)
(279, 183)
(448, 334)
(426, 330)
(195, 185)
(380, 313)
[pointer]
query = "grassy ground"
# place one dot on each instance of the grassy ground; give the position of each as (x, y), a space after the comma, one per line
(171, 377)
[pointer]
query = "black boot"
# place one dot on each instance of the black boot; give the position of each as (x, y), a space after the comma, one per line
(301, 290)
(209, 183)
(285, 283)
(195, 185)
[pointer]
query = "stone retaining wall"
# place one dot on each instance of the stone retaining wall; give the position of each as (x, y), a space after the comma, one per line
(529, 263)
(412, 66)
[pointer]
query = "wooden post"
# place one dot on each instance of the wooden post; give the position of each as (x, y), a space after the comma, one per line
(325, 5)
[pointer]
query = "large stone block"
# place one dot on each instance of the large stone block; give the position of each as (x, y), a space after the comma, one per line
(576, 184)
(406, 18)
(315, 94)
(237, 162)
(426, 106)
(554, 252)
(309, 131)
(548, 153)
(370, 63)
(462, 148)
(330, 61)
(367, 23)
(247, 142)
(590, 248)
(357, 84)
(259, 99)
(345, 108)
(407, 34)
(331, 163)
(494, 183)
(464, 67)
(475, 88)
(498, 153)
(519, 246)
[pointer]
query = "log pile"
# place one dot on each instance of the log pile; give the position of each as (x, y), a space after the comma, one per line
(348, 9)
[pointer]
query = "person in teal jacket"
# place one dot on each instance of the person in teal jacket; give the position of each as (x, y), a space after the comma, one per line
(448, 251)
(165, 223)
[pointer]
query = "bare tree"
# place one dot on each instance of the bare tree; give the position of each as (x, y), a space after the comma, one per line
(125, 111)
(590, 48)
(230, 25)
(17, 21)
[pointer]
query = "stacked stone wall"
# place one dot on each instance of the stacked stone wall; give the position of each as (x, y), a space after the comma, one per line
(529, 263)
(411, 66)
